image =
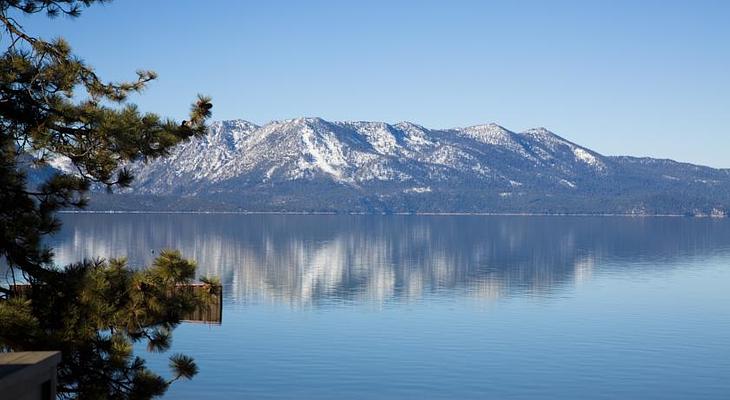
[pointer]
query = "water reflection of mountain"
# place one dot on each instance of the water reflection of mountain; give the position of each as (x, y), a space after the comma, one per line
(313, 259)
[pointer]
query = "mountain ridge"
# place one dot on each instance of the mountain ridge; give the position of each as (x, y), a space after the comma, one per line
(311, 164)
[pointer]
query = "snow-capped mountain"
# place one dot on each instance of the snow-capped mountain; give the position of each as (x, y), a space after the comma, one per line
(309, 164)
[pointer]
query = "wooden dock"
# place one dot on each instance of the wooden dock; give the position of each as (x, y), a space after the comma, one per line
(211, 313)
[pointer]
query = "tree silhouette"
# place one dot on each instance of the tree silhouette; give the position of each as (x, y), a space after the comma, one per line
(52, 104)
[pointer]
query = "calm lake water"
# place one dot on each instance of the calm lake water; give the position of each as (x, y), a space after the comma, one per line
(442, 307)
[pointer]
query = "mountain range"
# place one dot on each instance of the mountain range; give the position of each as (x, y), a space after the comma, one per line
(314, 165)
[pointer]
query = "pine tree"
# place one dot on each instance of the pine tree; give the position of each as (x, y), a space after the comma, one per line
(53, 104)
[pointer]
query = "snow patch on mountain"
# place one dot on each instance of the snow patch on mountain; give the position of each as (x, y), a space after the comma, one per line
(323, 152)
(425, 189)
(588, 158)
(62, 164)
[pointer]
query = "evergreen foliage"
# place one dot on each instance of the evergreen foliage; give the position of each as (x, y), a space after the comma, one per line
(52, 103)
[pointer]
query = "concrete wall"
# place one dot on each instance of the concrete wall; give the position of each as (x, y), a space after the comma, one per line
(28, 375)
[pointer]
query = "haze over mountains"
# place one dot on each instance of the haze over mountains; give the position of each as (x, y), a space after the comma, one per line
(314, 165)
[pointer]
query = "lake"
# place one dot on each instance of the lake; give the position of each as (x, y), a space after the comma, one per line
(442, 307)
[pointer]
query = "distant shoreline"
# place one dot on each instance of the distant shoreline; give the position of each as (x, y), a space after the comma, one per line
(397, 213)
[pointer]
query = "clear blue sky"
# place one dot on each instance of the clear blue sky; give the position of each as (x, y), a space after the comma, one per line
(621, 77)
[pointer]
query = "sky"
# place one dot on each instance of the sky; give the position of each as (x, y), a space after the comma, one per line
(644, 78)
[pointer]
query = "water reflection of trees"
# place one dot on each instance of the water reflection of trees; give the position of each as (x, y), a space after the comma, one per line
(312, 259)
